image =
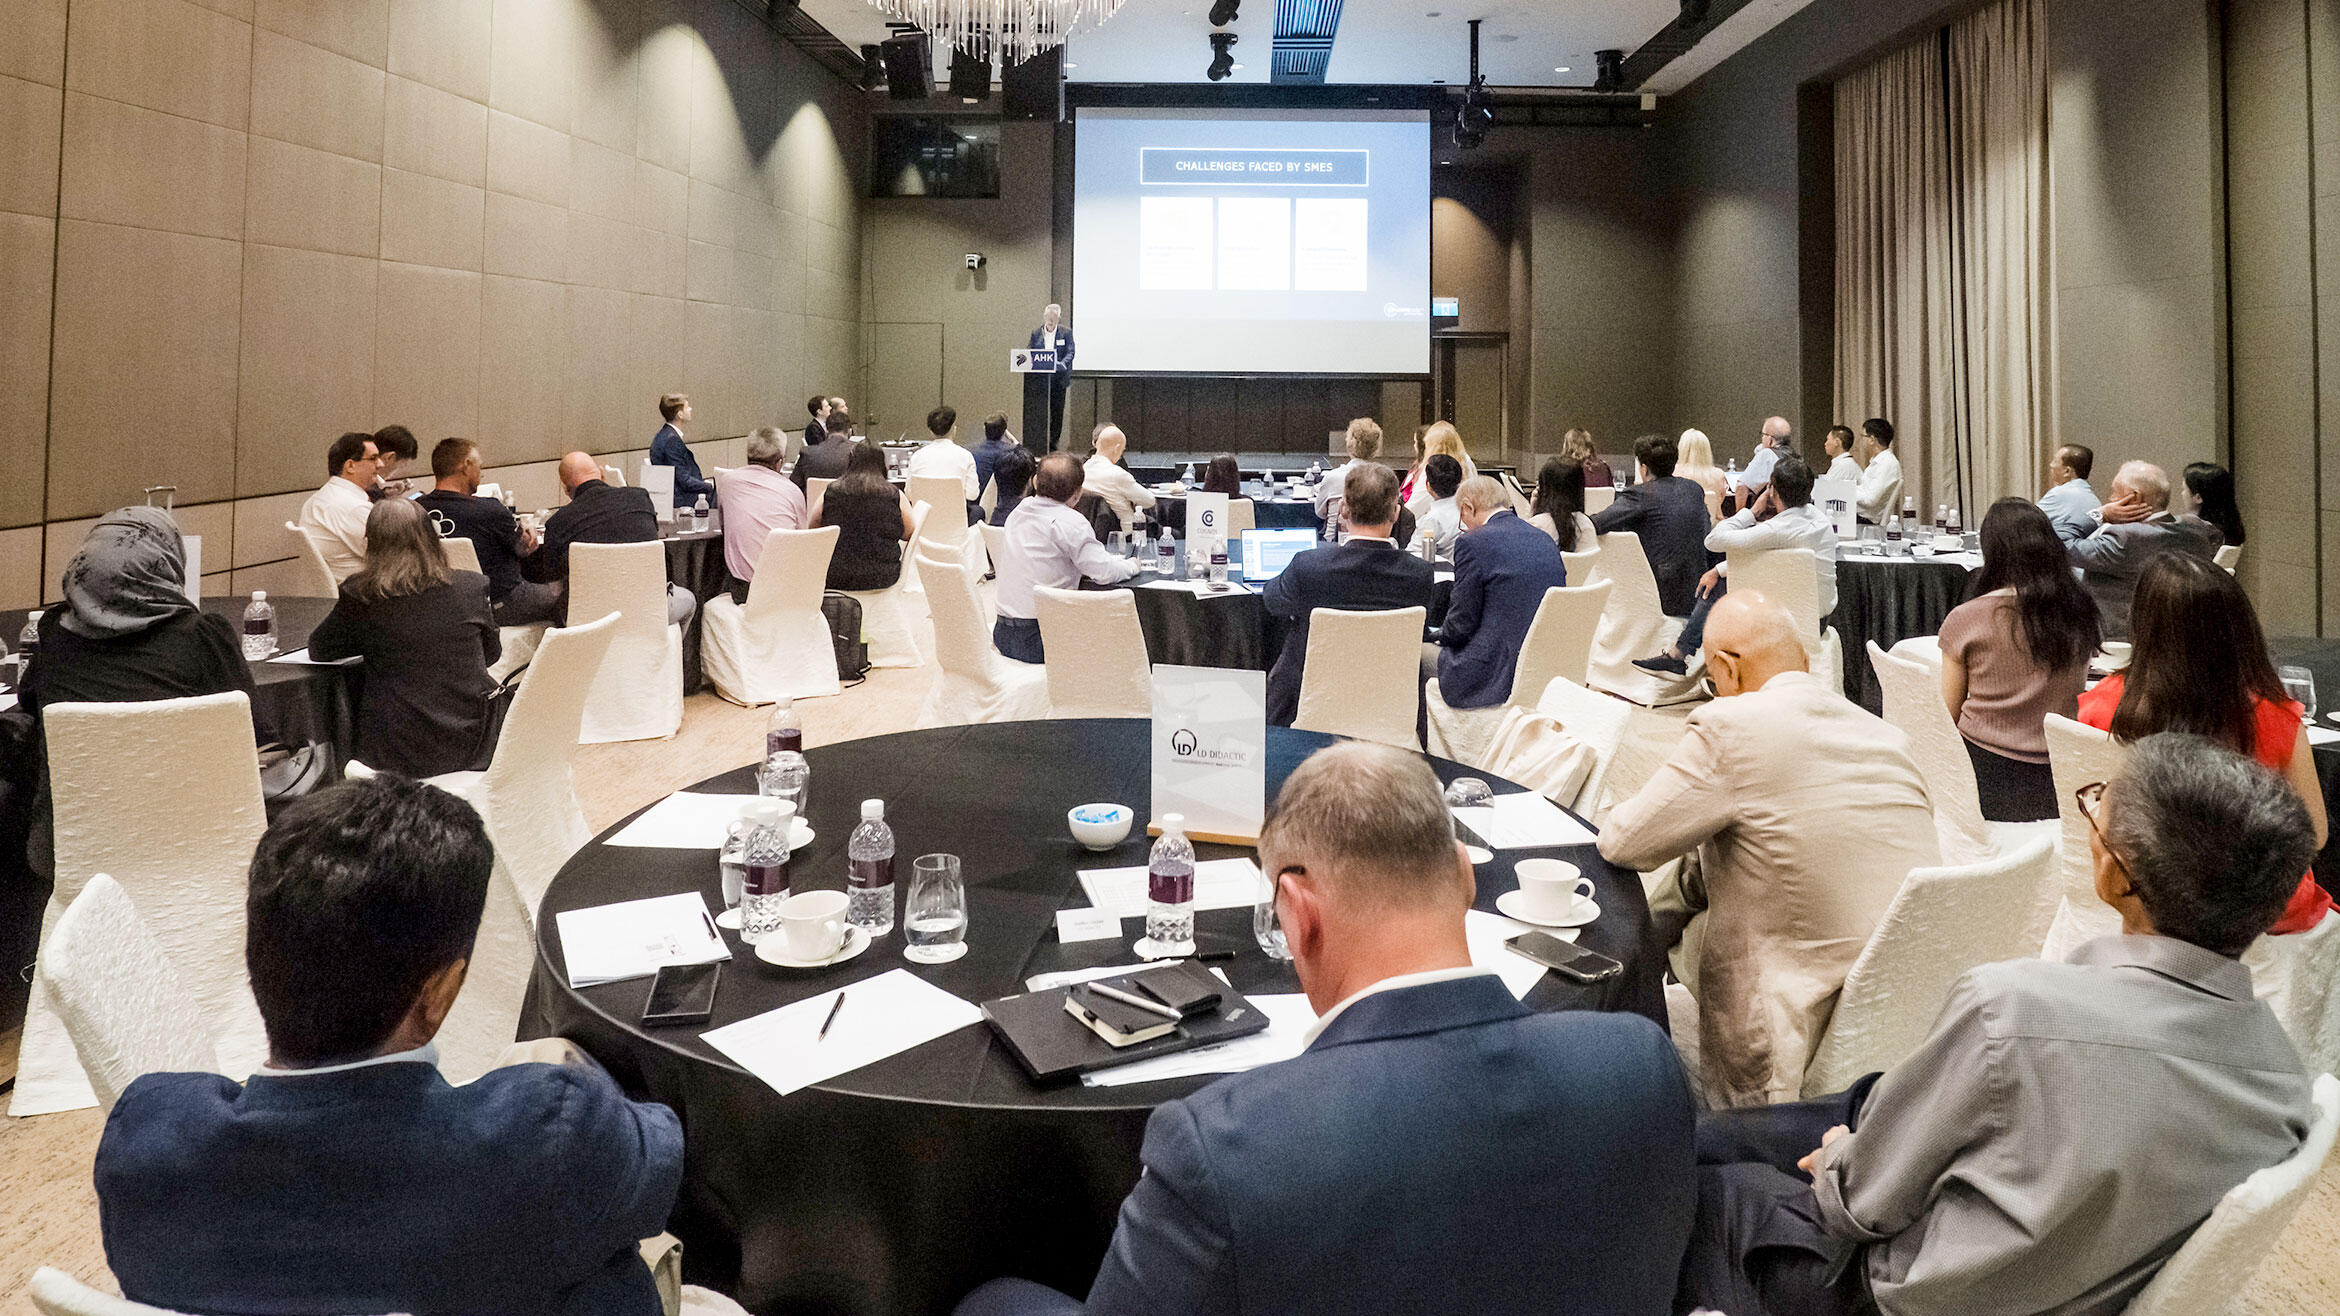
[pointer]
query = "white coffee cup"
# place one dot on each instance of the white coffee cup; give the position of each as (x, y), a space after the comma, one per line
(1551, 888)
(812, 924)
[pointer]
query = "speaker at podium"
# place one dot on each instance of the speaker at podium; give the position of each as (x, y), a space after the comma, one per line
(1038, 367)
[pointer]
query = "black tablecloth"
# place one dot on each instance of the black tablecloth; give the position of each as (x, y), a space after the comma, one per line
(1233, 629)
(1271, 509)
(2323, 658)
(899, 1187)
(694, 560)
(1889, 600)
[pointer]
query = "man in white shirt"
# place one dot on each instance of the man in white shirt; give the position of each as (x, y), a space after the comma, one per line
(1364, 446)
(1757, 477)
(942, 458)
(1105, 476)
(1880, 492)
(334, 518)
(1839, 447)
(2071, 503)
(1799, 524)
(1048, 545)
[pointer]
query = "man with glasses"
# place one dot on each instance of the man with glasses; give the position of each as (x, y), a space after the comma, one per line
(334, 518)
(2065, 1126)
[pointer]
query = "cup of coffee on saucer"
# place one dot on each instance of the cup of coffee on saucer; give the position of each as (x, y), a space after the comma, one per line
(1552, 893)
(812, 926)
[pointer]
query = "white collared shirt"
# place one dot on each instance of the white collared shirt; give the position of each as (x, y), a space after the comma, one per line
(944, 459)
(1116, 486)
(1398, 983)
(1049, 544)
(1759, 466)
(426, 1054)
(335, 517)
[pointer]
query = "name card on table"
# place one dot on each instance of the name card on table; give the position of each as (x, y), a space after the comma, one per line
(1840, 499)
(659, 480)
(1206, 518)
(1210, 751)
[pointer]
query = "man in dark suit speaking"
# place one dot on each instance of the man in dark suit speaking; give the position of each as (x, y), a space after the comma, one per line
(1369, 573)
(1438, 1147)
(1052, 336)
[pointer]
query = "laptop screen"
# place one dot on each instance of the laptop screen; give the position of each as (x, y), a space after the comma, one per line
(1266, 552)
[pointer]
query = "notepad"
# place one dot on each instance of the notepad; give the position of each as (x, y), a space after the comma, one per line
(1218, 884)
(636, 938)
(685, 820)
(882, 1016)
(1523, 822)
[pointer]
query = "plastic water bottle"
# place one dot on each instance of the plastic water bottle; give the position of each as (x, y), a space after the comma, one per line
(1315, 472)
(1166, 554)
(259, 627)
(699, 513)
(27, 640)
(1187, 476)
(764, 870)
(1941, 519)
(787, 776)
(869, 872)
(1218, 566)
(1170, 890)
(1954, 522)
(1892, 532)
(1909, 510)
(784, 732)
(1733, 466)
(733, 860)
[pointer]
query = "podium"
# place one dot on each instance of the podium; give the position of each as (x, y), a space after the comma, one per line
(1038, 367)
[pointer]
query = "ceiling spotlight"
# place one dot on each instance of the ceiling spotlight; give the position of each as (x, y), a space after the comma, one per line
(1223, 12)
(1693, 13)
(1222, 56)
(1608, 70)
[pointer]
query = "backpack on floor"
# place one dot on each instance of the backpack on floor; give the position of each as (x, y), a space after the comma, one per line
(843, 613)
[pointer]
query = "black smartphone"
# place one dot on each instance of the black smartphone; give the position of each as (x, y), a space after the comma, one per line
(1565, 958)
(682, 994)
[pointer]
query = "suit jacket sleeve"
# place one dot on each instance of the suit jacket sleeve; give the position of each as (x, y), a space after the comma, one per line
(341, 634)
(1687, 802)
(1623, 513)
(2103, 551)
(1465, 610)
(1284, 596)
(1064, 351)
(1172, 1250)
(621, 1162)
(668, 449)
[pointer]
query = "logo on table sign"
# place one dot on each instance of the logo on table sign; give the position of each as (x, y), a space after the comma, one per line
(1186, 745)
(1210, 518)
(1182, 743)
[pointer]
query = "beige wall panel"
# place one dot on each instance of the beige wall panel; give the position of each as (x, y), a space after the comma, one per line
(831, 354)
(429, 131)
(664, 263)
(27, 258)
(259, 522)
(359, 29)
(751, 281)
(165, 55)
(126, 165)
(708, 270)
(146, 329)
(523, 371)
(426, 351)
(60, 540)
(663, 96)
(528, 159)
(711, 374)
(788, 246)
(310, 95)
(597, 397)
(603, 252)
(20, 569)
(430, 221)
(526, 238)
(443, 43)
(603, 110)
(656, 327)
(31, 131)
(535, 486)
(307, 370)
(662, 198)
(315, 200)
(838, 250)
(283, 578)
(719, 151)
(783, 363)
(601, 181)
(840, 295)
(35, 48)
(532, 69)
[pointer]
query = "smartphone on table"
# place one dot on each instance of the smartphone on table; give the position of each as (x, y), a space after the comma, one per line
(1567, 959)
(682, 994)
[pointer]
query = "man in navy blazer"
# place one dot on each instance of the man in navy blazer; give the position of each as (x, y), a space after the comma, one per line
(348, 1175)
(1438, 1147)
(668, 449)
(1502, 566)
(1668, 513)
(1052, 336)
(1370, 573)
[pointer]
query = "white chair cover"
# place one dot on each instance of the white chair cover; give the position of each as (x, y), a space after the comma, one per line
(1520, 502)
(1633, 625)
(946, 525)
(1533, 749)
(519, 642)
(1599, 723)
(2228, 556)
(1598, 499)
(462, 554)
(1241, 516)
(614, 476)
(2069, 912)
(2217, 1262)
(813, 485)
(891, 619)
(165, 796)
(55, 1293)
(975, 684)
(1361, 674)
(1789, 577)
(777, 647)
(317, 579)
(1580, 566)
(1558, 643)
(637, 694)
(2298, 976)
(1097, 664)
(1943, 922)
(120, 1000)
(1913, 702)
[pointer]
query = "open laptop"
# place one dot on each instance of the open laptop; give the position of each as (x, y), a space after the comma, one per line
(1267, 552)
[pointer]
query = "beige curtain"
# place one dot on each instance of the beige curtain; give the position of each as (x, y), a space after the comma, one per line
(1943, 302)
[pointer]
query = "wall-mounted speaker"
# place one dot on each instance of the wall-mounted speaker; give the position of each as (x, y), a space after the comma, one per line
(1034, 89)
(970, 75)
(909, 66)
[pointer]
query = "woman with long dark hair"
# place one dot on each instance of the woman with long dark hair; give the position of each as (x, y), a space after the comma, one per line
(2210, 495)
(1557, 508)
(2200, 665)
(1223, 476)
(873, 522)
(2014, 652)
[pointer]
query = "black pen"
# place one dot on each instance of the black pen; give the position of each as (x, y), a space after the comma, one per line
(823, 1035)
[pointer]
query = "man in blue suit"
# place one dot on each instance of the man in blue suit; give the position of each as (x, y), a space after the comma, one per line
(1369, 573)
(348, 1175)
(668, 449)
(1502, 566)
(1052, 336)
(1438, 1147)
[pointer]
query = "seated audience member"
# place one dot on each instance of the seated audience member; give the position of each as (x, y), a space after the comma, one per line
(334, 517)
(2070, 502)
(1440, 439)
(397, 446)
(1364, 444)
(1806, 811)
(943, 458)
(1798, 524)
(2207, 494)
(2014, 652)
(2199, 665)
(1438, 1147)
(757, 500)
(1502, 566)
(1413, 476)
(1014, 474)
(1368, 573)
(2137, 529)
(1669, 514)
(873, 520)
(1223, 476)
(1047, 545)
(1879, 495)
(1558, 506)
(1577, 446)
(598, 513)
(997, 443)
(458, 512)
(1694, 461)
(1838, 447)
(348, 1175)
(668, 449)
(837, 407)
(825, 452)
(1441, 522)
(428, 636)
(1104, 476)
(2064, 1127)
(1770, 446)
(817, 411)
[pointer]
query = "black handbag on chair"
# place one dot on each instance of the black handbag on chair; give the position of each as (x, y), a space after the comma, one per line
(843, 613)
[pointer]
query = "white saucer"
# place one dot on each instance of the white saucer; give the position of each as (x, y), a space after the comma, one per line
(856, 941)
(1150, 949)
(1514, 906)
(800, 835)
(729, 919)
(1480, 854)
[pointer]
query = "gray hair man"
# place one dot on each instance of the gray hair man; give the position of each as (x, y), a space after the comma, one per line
(757, 500)
(2137, 528)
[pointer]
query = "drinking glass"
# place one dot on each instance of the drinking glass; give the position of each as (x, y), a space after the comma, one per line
(935, 915)
(1267, 927)
(2300, 684)
(1469, 793)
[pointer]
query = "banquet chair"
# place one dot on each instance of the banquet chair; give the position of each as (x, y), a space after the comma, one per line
(1580, 566)
(1714, 512)
(2217, 1261)
(1633, 625)
(317, 579)
(1096, 651)
(614, 476)
(1943, 922)
(1790, 577)
(1913, 702)
(55, 1293)
(777, 645)
(519, 642)
(1520, 502)
(165, 796)
(2069, 912)
(1242, 515)
(975, 684)
(989, 502)
(2228, 556)
(814, 486)
(637, 694)
(1597, 500)
(1532, 748)
(1361, 675)
(1558, 643)
(2298, 976)
(1598, 721)
(946, 520)
(120, 1001)
(891, 618)
(994, 543)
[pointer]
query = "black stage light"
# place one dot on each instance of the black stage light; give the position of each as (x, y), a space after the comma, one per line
(1223, 12)
(873, 67)
(1222, 57)
(1609, 66)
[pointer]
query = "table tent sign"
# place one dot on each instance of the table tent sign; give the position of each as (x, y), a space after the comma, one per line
(1206, 521)
(1839, 498)
(1210, 751)
(659, 480)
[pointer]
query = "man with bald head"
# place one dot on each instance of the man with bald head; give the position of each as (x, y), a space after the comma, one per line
(598, 513)
(1046, 544)
(1768, 448)
(2137, 527)
(1105, 476)
(1805, 812)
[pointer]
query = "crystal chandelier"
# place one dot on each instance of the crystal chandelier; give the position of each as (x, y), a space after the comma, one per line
(1013, 30)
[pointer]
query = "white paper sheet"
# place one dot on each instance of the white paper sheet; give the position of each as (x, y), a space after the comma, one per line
(1074, 925)
(1523, 822)
(1486, 934)
(690, 820)
(1040, 982)
(1199, 589)
(7, 701)
(636, 938)
(1218, 884)
(1289, 1016)
(2322, 735)
(301, 658)
(882, 1016)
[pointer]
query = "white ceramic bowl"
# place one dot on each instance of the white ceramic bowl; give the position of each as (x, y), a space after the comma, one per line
(1099, 826)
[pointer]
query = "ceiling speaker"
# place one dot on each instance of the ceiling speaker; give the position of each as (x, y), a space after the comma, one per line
(909, 66)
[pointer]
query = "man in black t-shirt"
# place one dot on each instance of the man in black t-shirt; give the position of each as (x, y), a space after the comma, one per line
(457, 511)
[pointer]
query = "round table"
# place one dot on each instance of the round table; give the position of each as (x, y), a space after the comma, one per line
(2322, 657)
(1273, 507)
(1888, 600)
(1227, 629)
(899, 1187)
(694, 560)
